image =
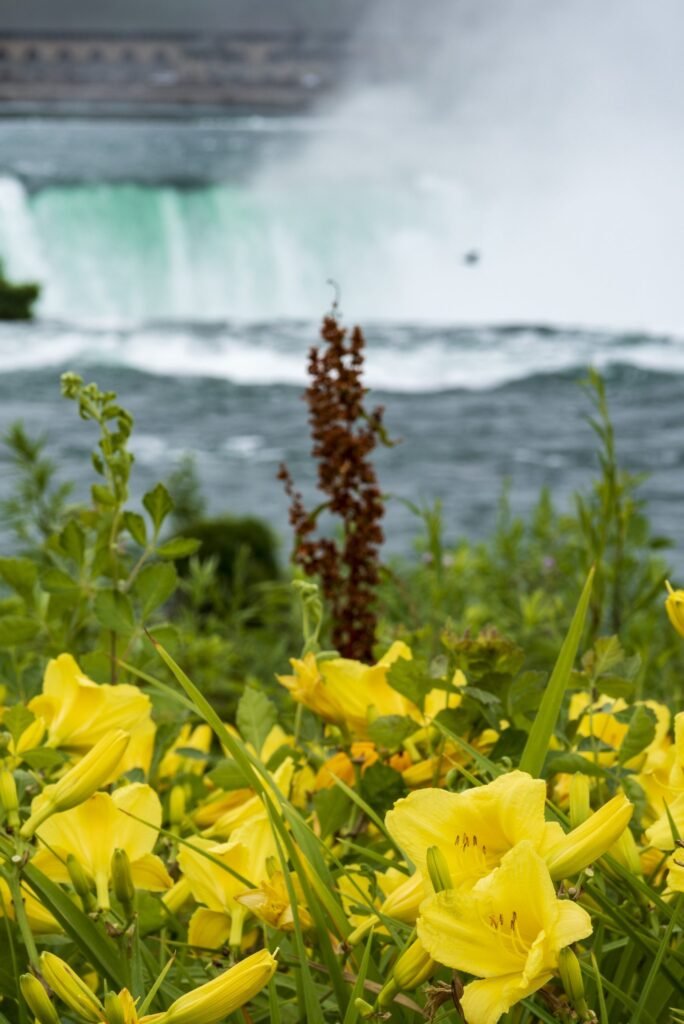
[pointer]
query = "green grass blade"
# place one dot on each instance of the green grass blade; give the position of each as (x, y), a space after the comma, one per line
(657, 964)
(537, 745)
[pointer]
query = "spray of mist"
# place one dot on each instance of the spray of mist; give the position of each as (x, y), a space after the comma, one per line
(543, 137)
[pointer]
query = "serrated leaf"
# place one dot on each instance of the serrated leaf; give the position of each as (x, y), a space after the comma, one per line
(136, 526)
(390, 731)
(158, 503)
(607, 654)
(113, 610)
(410, 678)
(641, 732)
(179, 547)
(154, 586)
(43, 758)
(17, 629)
(21, 574)
(255, 717)
(381, 787)
(16, 720)
(332, 806)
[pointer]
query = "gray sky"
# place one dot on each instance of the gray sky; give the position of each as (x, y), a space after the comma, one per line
(177, 15)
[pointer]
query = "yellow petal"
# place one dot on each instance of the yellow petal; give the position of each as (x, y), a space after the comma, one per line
(149, 873)
(208, 929)
(485, 1002)
(140, 801)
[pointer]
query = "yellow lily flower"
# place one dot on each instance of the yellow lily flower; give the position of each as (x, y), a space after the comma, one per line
(343, 691)
(473, 830)
(341, 765)
(78, 712)
(82, 780)
(93, 830)
(270, 902)
(508, 931)
(599, 721)
(243, 812)
(198, 739)
(246, 855)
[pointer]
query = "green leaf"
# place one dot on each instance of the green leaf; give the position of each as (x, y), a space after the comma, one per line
(113, 610)
(381, 787)
(179, 547)
(43, 758)
(154, 586)
(72, 541)
(255, 717)
(21, 574)
(135, 524)
(56, 581)
(332, 807)
(158, 503)
(566, 761)
(17, 629)
(390, 731)
(537, 745)
(640, 733)
(16, 720)
(103, 496)
(410, 678)
(227, 775)
(98, 949)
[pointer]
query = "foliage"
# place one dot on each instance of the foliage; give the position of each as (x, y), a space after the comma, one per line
(481, 822)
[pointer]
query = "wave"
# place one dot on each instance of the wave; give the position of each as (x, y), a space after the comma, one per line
(400, 358)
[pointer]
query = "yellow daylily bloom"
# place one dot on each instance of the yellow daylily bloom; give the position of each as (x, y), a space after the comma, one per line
(270, 902)
(245, 859)
(82, 780)
(674, 606)
(599, 721)
(507, 930)
(342, 765)
(343, 691)
(31, 737)
(473, 830)
(93, 830)
(198, 738)
(675, 872)
(78, 712)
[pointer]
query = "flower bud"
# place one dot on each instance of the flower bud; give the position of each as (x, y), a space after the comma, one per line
(571, 976)
(79, 782)
(176, 806)
(83, 884)
(580, 806)
(365, 1010)
(114, 1011)
(38, 1000)
(71, 989)
(438, 869)
(591, 839)
(220, 997)
(626, 852)
(674, 606)
(179, 893)
(414, 966)
(122, 880)
(9, 798)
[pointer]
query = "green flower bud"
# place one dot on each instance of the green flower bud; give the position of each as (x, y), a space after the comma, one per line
(83, 884)
(114, 1011)
(38, 1000)
(438, 870)
(571, 976)
(122, 880)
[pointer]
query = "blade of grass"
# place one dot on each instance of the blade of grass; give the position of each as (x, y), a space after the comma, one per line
(657, 963)
(537, 744)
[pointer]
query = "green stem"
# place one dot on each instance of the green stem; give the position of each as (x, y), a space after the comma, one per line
(657, 962)
(13, 881)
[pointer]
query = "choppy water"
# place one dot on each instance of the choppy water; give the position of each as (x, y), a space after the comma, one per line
(179, 270)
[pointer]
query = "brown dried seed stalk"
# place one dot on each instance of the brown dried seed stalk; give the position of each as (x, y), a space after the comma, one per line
(344, 434)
